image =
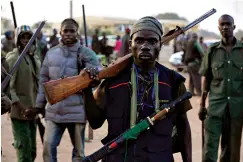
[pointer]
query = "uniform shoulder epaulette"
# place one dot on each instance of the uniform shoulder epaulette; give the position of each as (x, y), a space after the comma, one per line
(214, 44)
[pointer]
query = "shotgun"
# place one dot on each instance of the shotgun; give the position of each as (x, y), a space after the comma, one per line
(134, 132)
(57, 90)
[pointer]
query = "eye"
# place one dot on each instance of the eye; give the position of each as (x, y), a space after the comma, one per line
(72, 31)
(69, 30)
(153, 41)
(139, 41)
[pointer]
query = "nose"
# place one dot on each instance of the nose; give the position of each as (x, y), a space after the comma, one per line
(225, 27)
(145, 46)
(26, 40)
(69, 33)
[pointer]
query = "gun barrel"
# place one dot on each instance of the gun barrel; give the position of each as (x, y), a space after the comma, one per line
(13, 14)
(198, 20)
(85, 29)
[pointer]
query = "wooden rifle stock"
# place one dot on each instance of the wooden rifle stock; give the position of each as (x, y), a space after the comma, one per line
(57, 90)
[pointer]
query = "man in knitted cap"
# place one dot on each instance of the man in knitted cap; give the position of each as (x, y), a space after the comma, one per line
(137, 92)
(23, 92)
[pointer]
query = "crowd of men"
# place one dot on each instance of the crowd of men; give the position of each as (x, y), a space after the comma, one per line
(135, 93)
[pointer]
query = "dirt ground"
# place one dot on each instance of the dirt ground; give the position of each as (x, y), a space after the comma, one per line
(65, 147)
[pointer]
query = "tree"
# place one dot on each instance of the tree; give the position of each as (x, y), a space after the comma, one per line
(172, 16)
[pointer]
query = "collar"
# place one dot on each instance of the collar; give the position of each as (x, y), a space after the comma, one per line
(73, 48)
(151, 71)
(238, 44)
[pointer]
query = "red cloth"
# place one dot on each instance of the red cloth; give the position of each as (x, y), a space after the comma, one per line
(118, 45)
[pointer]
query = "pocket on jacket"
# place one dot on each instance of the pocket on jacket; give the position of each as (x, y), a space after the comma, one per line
(238, 70)
(218, 70)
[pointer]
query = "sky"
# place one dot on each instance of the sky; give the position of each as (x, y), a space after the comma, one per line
(31, 11)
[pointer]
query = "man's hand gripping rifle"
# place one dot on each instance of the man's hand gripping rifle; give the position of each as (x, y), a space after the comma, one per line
(136, 130)
(57, 90)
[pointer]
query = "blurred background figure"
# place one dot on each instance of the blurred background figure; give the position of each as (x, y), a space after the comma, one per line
(41, 46)
(95, 45)
(192, 59)
(106, 48)
(54, 40)
(124, 50)
(8, 42)
(118, 45)
(203, 45)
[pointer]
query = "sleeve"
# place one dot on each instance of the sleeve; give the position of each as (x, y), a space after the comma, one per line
(183, 142)
(95, 105)
(204, 69)
(185, 106)
(100, 95)
(11, 60)
(44, 77)
(89, 58)
(4, 74)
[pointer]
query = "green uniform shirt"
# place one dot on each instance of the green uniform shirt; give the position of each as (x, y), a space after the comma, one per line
(225, 71)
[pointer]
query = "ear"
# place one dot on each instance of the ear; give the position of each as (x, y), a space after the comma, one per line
(234, 27)
(130, 43)
(160, 44)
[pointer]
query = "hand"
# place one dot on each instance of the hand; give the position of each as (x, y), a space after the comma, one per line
(94, 75)
(202, 114)
(19, 105)
(5, 104)
(32, 112)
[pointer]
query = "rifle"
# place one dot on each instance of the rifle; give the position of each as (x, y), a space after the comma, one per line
(91, 133)
(133, 132)
(57, 90)
(85, 30)
(13, 13)
(21, 57)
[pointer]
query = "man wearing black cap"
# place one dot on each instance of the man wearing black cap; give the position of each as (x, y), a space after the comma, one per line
(135, 93)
